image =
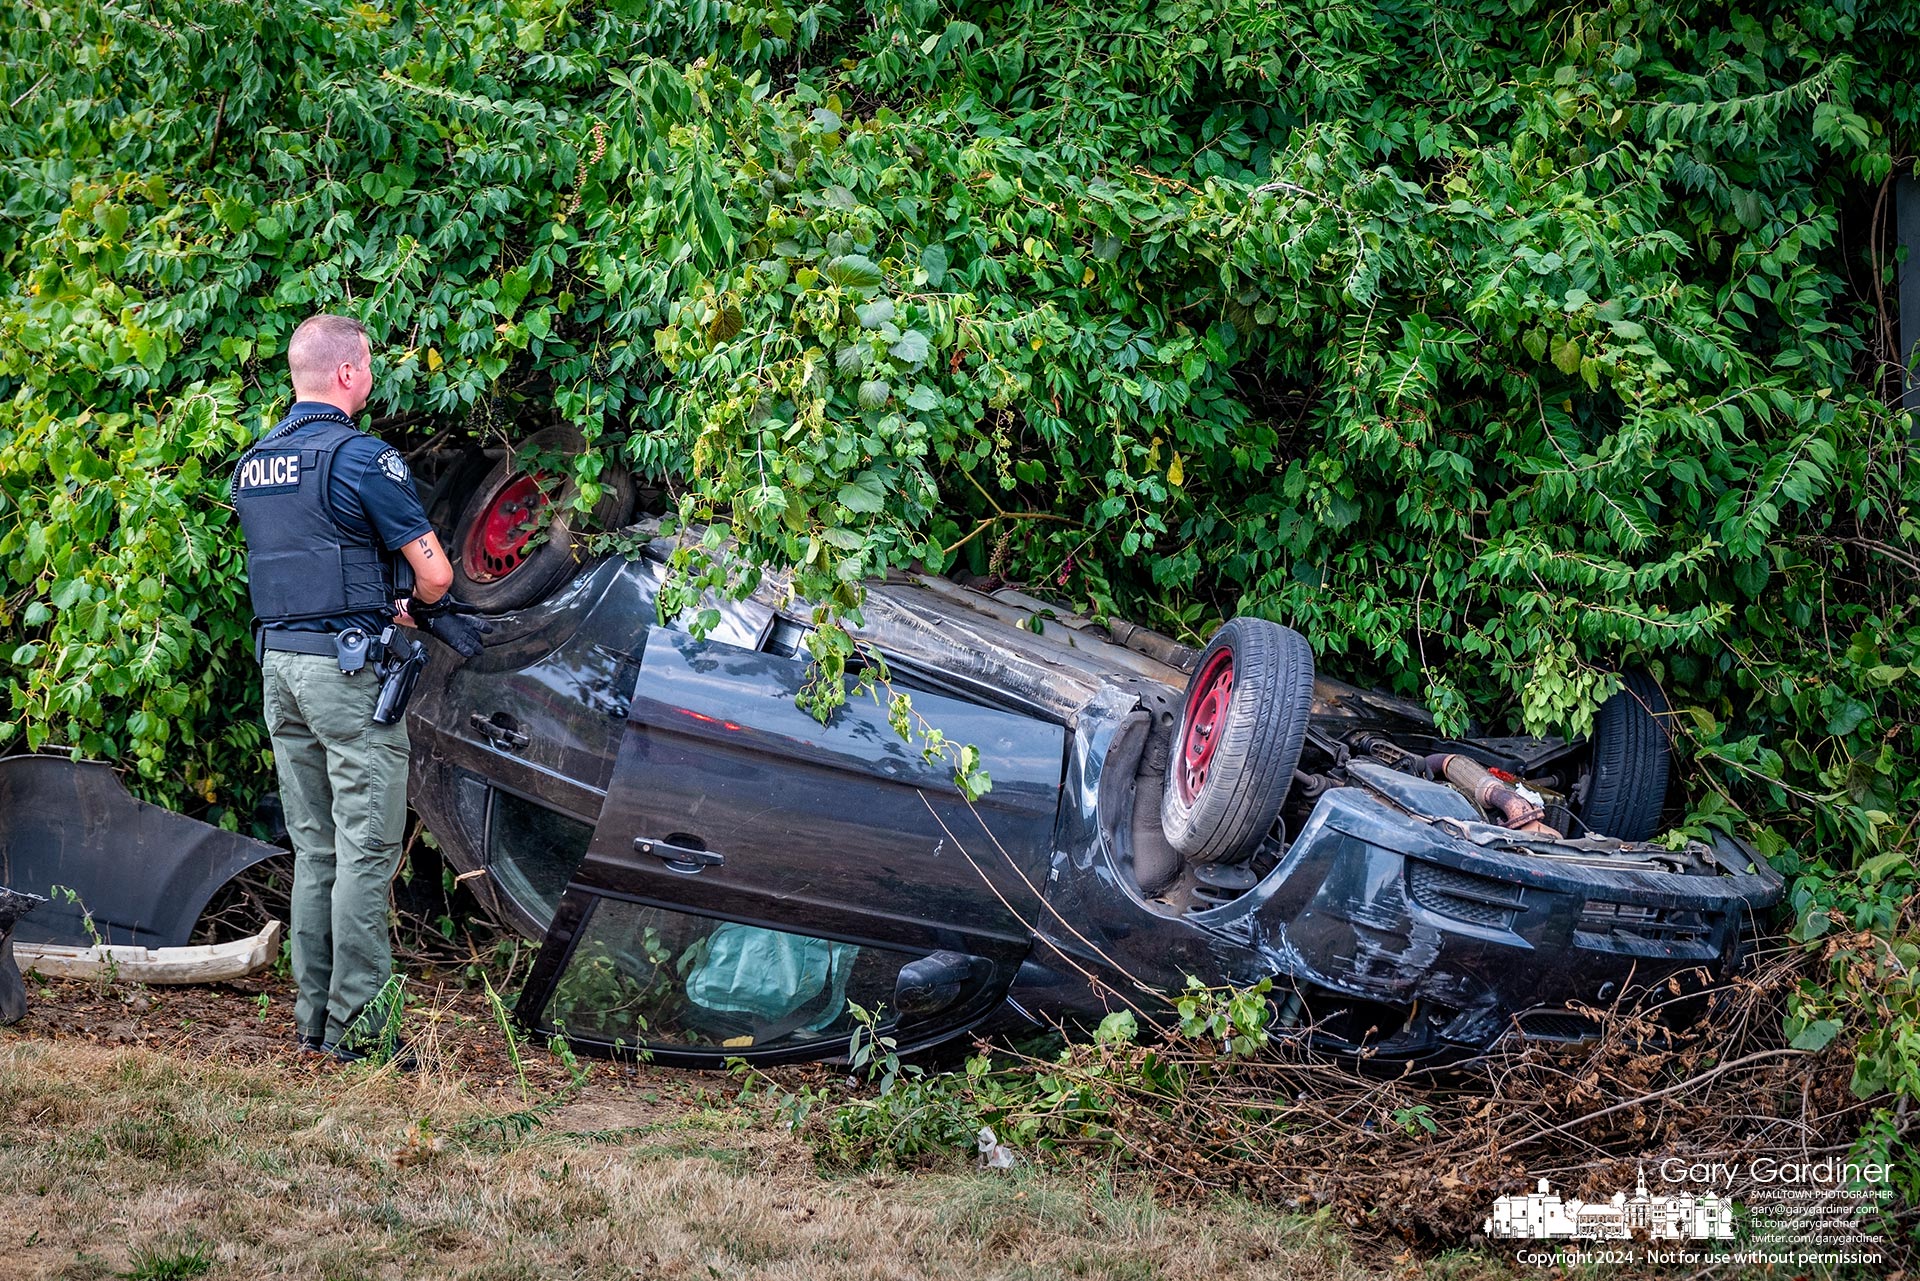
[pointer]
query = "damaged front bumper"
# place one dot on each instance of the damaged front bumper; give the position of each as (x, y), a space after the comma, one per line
(200, 963)
(1406, 936)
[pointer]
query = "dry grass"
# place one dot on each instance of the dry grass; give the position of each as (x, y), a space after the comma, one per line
(154, 1163)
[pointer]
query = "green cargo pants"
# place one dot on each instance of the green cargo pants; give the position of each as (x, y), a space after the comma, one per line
(343, 783)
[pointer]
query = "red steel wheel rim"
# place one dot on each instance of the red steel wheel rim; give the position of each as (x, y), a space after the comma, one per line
(1206, 722)
(497, 543)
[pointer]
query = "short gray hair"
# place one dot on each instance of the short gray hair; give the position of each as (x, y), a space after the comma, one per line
(322, 344)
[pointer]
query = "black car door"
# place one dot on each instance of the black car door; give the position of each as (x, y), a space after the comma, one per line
(755, 873)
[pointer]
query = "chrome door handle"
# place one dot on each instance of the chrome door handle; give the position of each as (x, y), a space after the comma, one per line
(499, 730)
(680, 858)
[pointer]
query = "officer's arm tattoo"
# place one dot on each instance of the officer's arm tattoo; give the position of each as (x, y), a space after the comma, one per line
(426, 548)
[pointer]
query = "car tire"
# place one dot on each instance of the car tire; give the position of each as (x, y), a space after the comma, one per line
(446, 499)
(1631, 761)
(1238, 740)
(497, 563)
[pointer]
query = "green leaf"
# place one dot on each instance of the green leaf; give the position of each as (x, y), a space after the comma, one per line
(113, 220)
(864, 494)
(513, 289)
(149, 349)
(1879, 867)
(1751, 576)
(847, 540)
(933, 261)
(1566, 354)
(1816, 1035)
(854, 271)
(912, 347)
(1850, 716)
(874, 393)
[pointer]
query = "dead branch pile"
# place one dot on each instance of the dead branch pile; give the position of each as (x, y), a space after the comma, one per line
(1421, 1153)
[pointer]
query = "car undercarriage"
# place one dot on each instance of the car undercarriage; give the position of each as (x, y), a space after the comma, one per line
(1415, 895)
(711, 872)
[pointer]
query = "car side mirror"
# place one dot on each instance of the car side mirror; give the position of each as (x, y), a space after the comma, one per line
(933, 983)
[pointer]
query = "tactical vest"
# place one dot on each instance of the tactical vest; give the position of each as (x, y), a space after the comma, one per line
(301, 562)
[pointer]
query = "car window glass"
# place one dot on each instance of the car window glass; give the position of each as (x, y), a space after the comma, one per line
(646, 976)
(533, 852)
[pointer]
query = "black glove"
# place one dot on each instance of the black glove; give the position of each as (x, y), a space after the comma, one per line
(442, 620)
(460, 633)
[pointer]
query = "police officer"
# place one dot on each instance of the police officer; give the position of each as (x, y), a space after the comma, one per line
(335, 533)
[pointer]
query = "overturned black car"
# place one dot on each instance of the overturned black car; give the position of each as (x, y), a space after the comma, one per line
(714, 873)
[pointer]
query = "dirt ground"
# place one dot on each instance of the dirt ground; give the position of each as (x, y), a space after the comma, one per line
(156, 1133)
(251, 1022)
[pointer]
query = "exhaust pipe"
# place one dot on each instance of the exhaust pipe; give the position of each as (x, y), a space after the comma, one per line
(1489, 793)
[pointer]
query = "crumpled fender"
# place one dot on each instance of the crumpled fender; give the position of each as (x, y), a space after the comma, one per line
(145, 873)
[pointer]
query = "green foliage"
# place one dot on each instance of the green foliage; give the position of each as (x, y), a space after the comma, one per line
(1416, 1120)
(1234, 1019)
(150, 1263)
(1079, 1098)
(604, 992)
(503, 1019)
(375, 1031)
(1495, 346)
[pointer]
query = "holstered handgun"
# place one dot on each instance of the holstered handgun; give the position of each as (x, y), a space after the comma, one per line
(398, 669)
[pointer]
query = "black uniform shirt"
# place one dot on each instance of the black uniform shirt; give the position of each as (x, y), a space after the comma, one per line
(372, 496)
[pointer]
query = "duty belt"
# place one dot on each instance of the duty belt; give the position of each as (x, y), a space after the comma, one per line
(288, 642)
(296, 642)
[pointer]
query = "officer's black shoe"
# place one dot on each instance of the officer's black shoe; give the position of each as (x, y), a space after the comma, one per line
(402, 1057)
(309, 1044)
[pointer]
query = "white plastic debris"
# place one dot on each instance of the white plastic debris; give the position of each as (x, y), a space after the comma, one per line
(993, 1154)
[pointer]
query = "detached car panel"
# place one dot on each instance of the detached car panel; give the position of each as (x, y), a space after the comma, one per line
(142, 873)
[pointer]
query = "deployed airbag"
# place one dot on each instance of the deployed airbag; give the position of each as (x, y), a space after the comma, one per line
(773, 978)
